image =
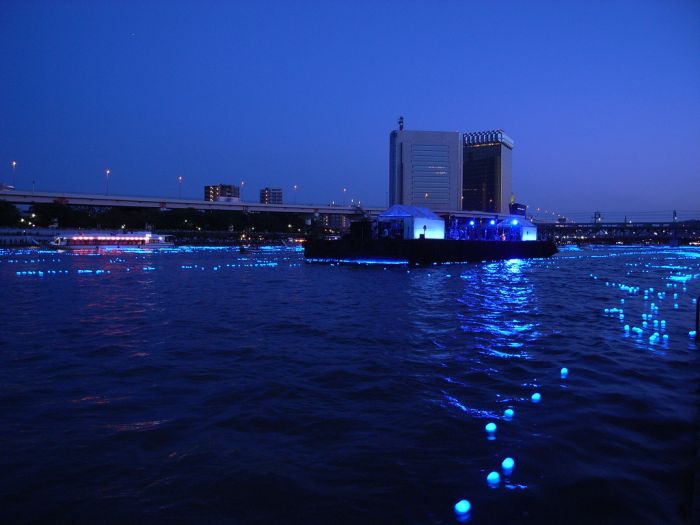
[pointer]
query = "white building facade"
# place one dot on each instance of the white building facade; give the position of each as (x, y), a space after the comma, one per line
(425, 169)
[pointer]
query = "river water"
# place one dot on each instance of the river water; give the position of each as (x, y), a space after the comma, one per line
(209, 386)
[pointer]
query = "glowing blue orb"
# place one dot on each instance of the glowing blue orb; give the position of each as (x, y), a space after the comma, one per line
(508, 413)
(514, 222)
(471, 223)
(463, 507)
(490, 427)
(492, 222)
(493, 479)
(536, 397)
(508, 465)
(564, 373)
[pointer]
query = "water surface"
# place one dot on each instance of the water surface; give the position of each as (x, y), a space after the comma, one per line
(205, 385)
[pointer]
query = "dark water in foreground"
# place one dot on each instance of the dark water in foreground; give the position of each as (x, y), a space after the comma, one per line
(208, 386)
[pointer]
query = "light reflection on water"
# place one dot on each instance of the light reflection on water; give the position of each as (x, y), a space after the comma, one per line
(500, 308)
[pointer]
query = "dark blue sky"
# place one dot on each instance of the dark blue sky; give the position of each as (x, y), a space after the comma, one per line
(601, 98)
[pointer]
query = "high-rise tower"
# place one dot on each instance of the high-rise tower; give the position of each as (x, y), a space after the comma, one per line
(487, 171)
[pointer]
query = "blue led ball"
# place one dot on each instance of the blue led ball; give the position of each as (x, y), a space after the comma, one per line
(493, 479)
(490, 427)
(508, 413)
(508, 465)
(536, 397)
(564, 373)
(463, 507)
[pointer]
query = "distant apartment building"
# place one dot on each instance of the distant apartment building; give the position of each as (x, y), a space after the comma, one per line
(487, 182)
(222, 192)
(450, 171)
(271, 196)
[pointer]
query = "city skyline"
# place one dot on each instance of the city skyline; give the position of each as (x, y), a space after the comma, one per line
(170, 99)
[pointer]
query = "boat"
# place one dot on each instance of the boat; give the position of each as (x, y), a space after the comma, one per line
(408, 235)
(96, 240)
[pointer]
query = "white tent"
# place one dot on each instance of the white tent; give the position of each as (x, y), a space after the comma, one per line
(416, 221)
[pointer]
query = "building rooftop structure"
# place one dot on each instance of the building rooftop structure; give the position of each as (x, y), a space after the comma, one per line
(487, 138)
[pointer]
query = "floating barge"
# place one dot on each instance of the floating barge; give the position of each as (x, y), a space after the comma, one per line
(423, 251)
(406, 235)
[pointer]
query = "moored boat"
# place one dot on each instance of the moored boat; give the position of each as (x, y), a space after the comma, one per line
(93, 240)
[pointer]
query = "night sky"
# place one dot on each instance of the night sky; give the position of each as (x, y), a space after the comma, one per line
(602, 99)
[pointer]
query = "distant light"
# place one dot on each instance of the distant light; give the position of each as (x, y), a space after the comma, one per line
(463, 507)
(514, 222)
(536, 397)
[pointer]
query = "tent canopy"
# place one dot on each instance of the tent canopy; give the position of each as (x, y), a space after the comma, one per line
(416, 222)
(399, 211)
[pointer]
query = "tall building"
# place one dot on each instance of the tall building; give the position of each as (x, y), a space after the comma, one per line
(425, 168)
(487, 167)
(221, 191)
(271, 196)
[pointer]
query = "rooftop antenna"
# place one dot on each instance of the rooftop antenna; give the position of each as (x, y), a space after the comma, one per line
(401, 123)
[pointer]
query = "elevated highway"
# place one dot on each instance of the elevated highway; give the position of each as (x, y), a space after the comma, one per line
(94, 200)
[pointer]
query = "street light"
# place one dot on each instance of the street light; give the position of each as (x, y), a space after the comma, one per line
(295, 193)
(240, 190)
(107, 172)
(14, 166)
(179, 187)
(344, 192)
